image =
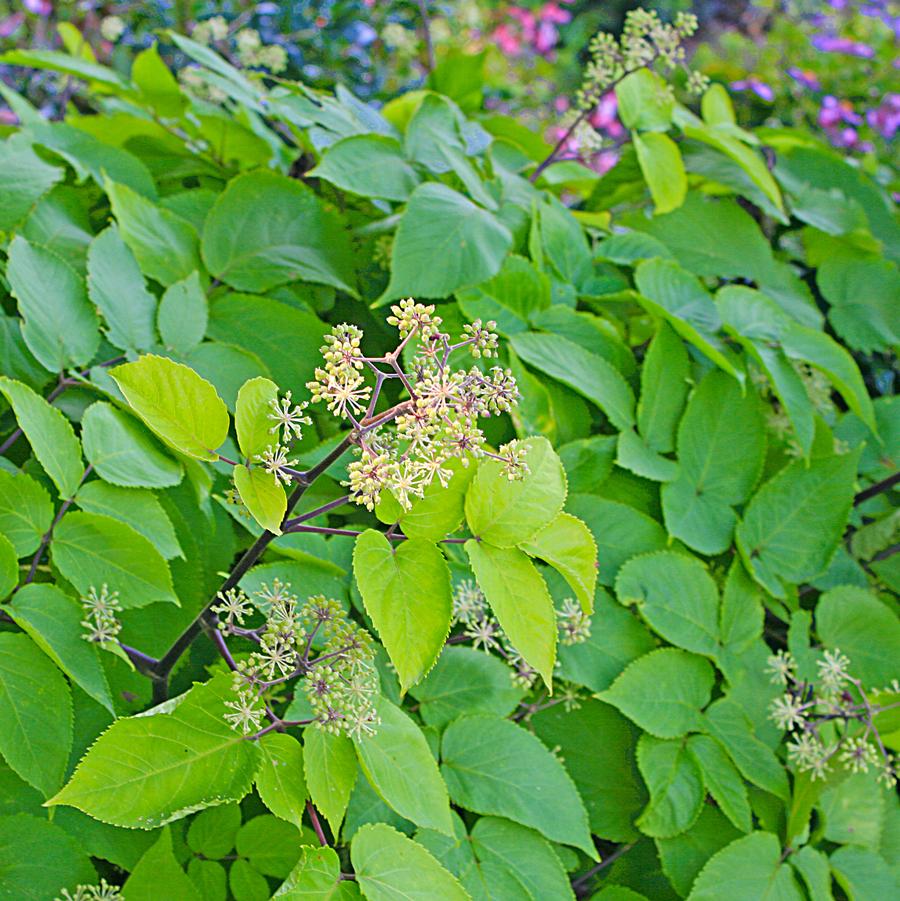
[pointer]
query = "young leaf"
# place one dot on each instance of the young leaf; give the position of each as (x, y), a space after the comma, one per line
(176, 403)
(251, 416)
(159, 873)
(675, 783)
(722, 780)
(316, 876)
(35, 714)
(330, 765)
(520, 600)
(149, 770)
(49, 433)
(389, 866)
(91, 550)
(183, 315)
(493, 766)
(663, 168)
(406, 590)
(263, 496)
(212, 831)
(26, 511)
(664, 389)
(270, 845)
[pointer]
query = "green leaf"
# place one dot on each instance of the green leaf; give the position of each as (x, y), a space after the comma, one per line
(251, 415)
(742, 614)
(603, 771)
(716, 106)
(212, 831)
(53, 620)
(722, 780)
(265, 230)
(280, 781)
(317, 877)
(635, 456)
(26, 511)
(246, 883)
(149, 770)
(855, 622)
(176, 403)
(123, 452)
(35, 714)
(24, 179)
(520, 600)
(663, 692)
(794, 522)
(271, 846)
(137, 507)
(158, 873)
(183, 315)
(330, 765)
(749, 869)
(664, 389)
(588, 374)
(38, 859)
(164, 244)
(9, 566)
(263, 496)
(493, 766)
(663, 168)
(389, 867)
(505, 512)
(863, 875)
(676, 595)
(721, 450)
(156, 84)
(567, 545)
(406, 591)
(116, 287)
(675, 783)
(644, 101)
(440, 223)
(50, 435)
(398, 763)
(92, 550)
(812, 865)
(368, 165)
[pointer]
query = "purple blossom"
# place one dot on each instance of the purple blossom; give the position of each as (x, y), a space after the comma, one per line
(760, 88)
(805, 77)
(834, 112)
(885, 118)
(832, 44)
(39, 7)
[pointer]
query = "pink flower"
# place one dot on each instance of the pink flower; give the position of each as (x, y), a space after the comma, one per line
(546, 37)
(10, 24)
(551, 12)
(38, 7)
(605, 117)
(507, 40)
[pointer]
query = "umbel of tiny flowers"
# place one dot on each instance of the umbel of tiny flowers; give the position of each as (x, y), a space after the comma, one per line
(100, 608)
(315, 642)
(830, 719)
(102, 892)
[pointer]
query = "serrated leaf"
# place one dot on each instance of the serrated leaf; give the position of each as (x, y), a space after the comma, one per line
(35, 713)
(159, 873)
(520, 600)
(742, 614)
(146, 771)
(280, 780)
(9, 566)
(863, 874)
(635, 456)
(368, 165)
(212, 831)
(317, 877)
(663, 692)
(49, 433)
(183, 314)
(505, 512)
(663, 168)
(26, 511)
(675, 783)
(330, 765)
(92, 550)
(406, 591)
(24, 179)
(263, 496)
(722, 780)
(251, 416)
(493, 766)
(270, 845)
(176, 403)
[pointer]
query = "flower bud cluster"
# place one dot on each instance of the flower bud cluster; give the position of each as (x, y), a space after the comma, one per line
(102, 892)
(100, 609)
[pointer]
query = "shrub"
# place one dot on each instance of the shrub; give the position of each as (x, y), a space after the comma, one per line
(620, 595)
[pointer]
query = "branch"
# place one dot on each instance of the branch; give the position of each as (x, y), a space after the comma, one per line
(426, 32)
(877, 488)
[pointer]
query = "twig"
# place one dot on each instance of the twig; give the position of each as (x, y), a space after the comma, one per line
(877, 488)
(584, 879)
(314, 817)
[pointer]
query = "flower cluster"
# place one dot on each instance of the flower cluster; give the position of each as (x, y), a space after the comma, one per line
(830, 719)
(288, 419)
(102, 892)
(100, 609)
(479, 626)
(523, 30)
(249, 48)
(315, 641)
(404, 448)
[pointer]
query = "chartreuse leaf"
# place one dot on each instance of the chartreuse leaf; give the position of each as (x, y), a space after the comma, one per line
(265, 230)
(156, 83)
(493, 766)
(863, 874)
(330, 765)
(389, 866)
(406, 591)
(677, 597)
(663, 168)
(369, 165)
(53, 620)
(116, 287)
(505, 512)
(251, 416)
(60, 325)
(35, 713)
(567, 545)
(183, 314)
(440, 223)
(279, 780)
(38, 859)
(262, 494)
(721, 449)
(722, 780)
(794, 522)
(26, 511)
(399, 764)
(675, 783)
(519, 597)
(49, 433)
(663, 692)
(164, 244)
(587, 373)
(91, 550)
(316, 877)
(176, 403)
(749, 869)
(158, 874)
(9, 566)
(149, 770)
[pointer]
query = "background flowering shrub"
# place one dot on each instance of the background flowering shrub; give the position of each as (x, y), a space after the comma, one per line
(392, 504)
